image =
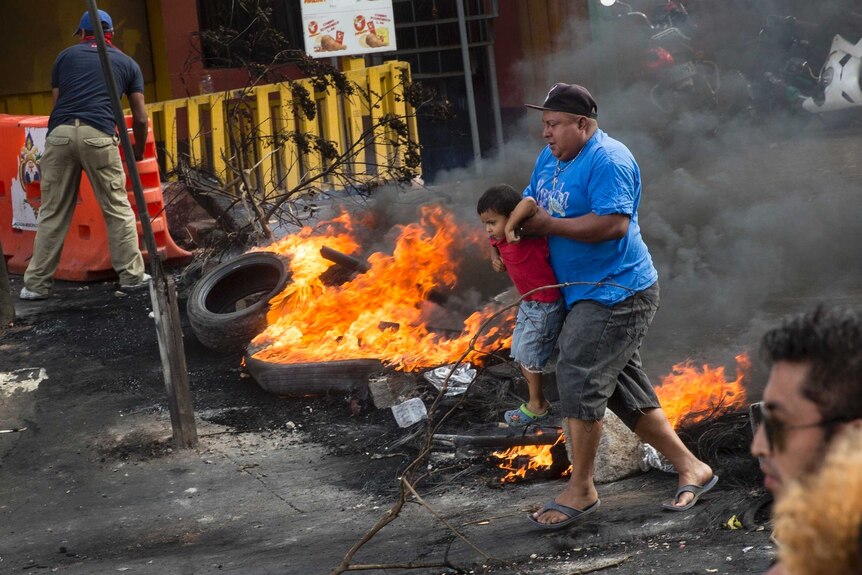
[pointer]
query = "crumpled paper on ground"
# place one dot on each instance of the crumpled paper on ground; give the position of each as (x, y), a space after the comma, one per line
(458, 381)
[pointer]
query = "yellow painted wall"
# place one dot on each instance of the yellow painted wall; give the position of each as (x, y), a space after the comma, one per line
(42, 29)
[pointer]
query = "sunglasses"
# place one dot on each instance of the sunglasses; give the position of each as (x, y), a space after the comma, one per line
(775, 430)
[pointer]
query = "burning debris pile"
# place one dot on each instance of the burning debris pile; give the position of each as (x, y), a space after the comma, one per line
(383, 312)
(375, 314)
(690, 395)
(701, 403)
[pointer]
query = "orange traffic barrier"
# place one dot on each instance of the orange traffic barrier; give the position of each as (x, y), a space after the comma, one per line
(85, 255)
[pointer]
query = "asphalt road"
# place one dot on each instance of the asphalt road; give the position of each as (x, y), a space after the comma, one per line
(288, 486)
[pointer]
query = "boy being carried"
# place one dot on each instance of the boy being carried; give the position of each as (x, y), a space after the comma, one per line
(541, 313)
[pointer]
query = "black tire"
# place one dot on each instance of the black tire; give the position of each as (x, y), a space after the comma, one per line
(315, 378)
(227, 306)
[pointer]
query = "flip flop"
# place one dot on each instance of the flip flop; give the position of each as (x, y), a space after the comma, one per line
(523, 417)
(696, 490)
(571, 513)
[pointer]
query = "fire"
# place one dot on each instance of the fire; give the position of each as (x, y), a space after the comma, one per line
(379, 314)
(688, 393)
(520, 459)
(693, 393)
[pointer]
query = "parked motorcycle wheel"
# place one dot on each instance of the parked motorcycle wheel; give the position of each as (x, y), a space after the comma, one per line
(227, 306)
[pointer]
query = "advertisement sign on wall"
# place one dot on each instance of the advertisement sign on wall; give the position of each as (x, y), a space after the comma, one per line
(347, 27)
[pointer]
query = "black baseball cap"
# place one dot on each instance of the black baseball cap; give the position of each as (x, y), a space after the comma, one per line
(569, 98)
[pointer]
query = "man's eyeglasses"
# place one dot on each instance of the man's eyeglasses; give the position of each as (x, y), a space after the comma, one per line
(776, 430)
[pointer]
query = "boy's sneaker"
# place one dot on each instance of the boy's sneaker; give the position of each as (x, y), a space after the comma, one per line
(145, 281)
(31, 295)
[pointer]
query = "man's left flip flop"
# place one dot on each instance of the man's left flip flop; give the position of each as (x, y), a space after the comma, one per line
(695, 490)
(571, 514)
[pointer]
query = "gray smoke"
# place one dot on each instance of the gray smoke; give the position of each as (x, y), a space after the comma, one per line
(746, 218)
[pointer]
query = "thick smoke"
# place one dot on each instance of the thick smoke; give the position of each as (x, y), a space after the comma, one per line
(747, 216)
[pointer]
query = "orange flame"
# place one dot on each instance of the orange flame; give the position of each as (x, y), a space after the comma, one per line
(693, 394)
(687, 394)
(520, 459)
(378, 314)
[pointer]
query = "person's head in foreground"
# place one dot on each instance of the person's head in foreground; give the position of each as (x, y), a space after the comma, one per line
(814, 392)
(818, 518)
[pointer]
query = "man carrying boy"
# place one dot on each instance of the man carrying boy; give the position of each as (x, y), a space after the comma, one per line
(541, 312)
(587, 189)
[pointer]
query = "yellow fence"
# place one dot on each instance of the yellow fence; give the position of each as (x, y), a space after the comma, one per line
(245, 129)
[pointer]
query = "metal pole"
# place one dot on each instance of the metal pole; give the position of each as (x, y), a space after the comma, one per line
(162, 288)
(468, 81)
(495, 92)
(120, 119)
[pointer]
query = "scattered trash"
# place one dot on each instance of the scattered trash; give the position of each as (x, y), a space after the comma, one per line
(652, 458)
(747, 549)
(390, 389)
(459, 380)
(410, 412)
(734, 523)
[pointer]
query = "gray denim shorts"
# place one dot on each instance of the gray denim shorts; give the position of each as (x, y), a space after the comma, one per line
(536, 330)
(600, 365)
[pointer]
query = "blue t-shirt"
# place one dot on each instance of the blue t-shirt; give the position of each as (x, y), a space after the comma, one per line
(605, 179)
(77, 72)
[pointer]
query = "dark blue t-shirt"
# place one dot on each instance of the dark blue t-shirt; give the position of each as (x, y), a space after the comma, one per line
(77, 72)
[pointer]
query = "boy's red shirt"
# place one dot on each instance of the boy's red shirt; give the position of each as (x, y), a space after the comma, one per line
(528, 266)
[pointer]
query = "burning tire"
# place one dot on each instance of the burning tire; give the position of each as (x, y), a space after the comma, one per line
(227, 306)
(315, 378)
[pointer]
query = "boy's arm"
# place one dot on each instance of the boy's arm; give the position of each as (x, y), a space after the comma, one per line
(525, 209)
(496, 260)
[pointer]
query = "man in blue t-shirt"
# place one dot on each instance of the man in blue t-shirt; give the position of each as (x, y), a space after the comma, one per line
(587, 189)
(82, 135)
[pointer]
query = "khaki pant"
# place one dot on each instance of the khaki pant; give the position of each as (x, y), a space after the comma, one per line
(68, 150)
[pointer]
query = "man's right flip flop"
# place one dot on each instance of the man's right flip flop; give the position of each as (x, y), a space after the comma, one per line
(571, 514)
(696, 490)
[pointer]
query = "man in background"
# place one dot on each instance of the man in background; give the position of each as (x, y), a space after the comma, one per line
(82, 135)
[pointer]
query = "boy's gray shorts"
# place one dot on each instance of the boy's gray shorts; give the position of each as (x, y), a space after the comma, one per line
(600, 365)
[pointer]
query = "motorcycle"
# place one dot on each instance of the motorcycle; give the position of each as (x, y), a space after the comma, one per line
(683, 82)
(839, 83)
(793, 80)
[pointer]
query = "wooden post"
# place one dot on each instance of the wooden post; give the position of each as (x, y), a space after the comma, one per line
(170, 335)
(162, 289)
(7, 308)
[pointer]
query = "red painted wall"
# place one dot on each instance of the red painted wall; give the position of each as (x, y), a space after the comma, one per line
(507, 51)
(180, 22)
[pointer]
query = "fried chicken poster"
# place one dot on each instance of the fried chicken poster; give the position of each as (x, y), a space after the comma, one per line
(347, 27)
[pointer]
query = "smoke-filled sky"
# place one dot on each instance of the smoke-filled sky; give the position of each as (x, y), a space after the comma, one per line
(756, 220)
(747, 216)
